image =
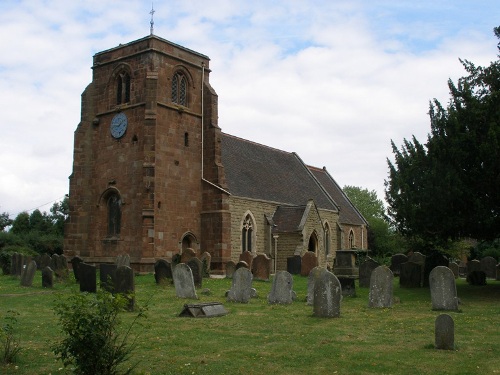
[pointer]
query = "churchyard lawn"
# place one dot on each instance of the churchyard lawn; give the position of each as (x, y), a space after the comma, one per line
(259, 338)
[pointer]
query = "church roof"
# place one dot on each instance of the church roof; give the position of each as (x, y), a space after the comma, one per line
(348, 213)
(287, 219)
(264, 173)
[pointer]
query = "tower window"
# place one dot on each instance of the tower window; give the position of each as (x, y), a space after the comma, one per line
(123, 88)
(186, 139)
(179, 89)
(114, 215)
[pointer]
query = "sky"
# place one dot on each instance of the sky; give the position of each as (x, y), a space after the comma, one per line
(334, 81)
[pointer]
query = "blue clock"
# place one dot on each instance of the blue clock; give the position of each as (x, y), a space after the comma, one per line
(119, 125)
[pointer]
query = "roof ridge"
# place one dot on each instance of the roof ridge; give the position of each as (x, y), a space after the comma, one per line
(258, 144)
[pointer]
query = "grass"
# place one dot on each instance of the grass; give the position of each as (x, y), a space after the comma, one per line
(258, 338)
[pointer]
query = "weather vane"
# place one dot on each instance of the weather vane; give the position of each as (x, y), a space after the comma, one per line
(151, 22)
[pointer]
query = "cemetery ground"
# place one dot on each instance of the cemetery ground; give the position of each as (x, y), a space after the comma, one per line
(258, 338)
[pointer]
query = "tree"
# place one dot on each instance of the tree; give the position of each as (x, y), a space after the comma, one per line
(449, 187)
(5, 221)
(365, 201)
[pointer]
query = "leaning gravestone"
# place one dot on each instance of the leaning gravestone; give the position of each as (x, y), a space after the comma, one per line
(122, 260)
(206, 260)
(187, 254)
(308, 262)
(28, 274)
(293, 264)
(124, 284)
(197, 270)
(365, 271)
(230, 268)
(107, 276)
(241, 286)
(88, 282)
(183, 281)
(163, 271)
(410, 275)
(75, 263)
(443, 289)
(381, 286)
(396, 261)
(261, 267)
(282, 289)
(247, 257)
(432, 261)
(444, 332)
(311, 278)
(327, 295)
(488, 266)
(47, 277)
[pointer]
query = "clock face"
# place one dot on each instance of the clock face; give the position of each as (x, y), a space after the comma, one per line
(119, 125)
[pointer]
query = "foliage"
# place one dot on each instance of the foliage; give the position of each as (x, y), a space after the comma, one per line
(487, 248)
(5, 221)
(449, 187)
(10, 343)
(92, 342)
(365, 201)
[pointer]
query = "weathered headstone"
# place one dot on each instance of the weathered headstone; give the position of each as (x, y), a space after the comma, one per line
(381, 287)
(247, 257)
(488, 266)
(410, 275)
(443, 289)
(477, 278)
(311, 278)
(241, 264)
(16, 264)
(107, 276)
(28, 274)
(163, 271)
(435, 259)
(293, 264)
(197, 270)
(261, 267)
(59, 265)
(348, 285)
(187, 254)
(183, 281)
(241, 286)
(308, 262)
(396, 261)
(47, 277)
(75, 264)
(365, 271)
(455, 269)
(230, 268)
(206, 260)
(125, 284)
(122, 260)
(473, 265)
(327, 295)
(43, 261)
(88, 280)
(417, 258)
(444, 332)
(282, 289)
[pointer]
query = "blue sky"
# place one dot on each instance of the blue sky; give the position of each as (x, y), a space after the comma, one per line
(334, 81)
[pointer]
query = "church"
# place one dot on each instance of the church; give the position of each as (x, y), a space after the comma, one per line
(154, 174)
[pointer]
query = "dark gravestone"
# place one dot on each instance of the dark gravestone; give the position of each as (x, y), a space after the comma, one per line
(75, 264)
(476, 278)
(443, 289)
(163, 271)
(455, 269)
(122, 260)
(125, 284)
(308, 262)
(310, 283)
(230, 268)
(488, 266)
(261, 267)
(293, 264)
(88, 282)
(197, 270)
(247, 257)
(348, 286)
(435, 259)
(410, 275)
(47, 277)
(176, 259)
(187, 254)
(444, 332)
(396, 261)
(365, 272)
(183, 281)
(327, 295)
(28, 274)
(282, 289)
(473, 265)
(15, 270)
(59, 265)
(107, 276)
(206, 260)
(43, 261)
(381, 287)
(241, 286)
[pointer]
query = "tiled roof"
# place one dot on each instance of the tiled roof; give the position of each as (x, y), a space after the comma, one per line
(288, 218)
(348, 213)
(260, 172)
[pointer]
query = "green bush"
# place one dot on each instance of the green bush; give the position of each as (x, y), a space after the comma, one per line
(10, 344)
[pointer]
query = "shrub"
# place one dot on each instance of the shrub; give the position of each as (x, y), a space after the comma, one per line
(9, 342)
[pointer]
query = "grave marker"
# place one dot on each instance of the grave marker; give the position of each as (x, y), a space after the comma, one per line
(282, 289)
(28, 274)
(261, 267)
(230, 268)
(308, 262)
(241, 286)
(443, 289)
(47, 277)
(327, 295)
(88, 280)
(197, 270)
(163, 271)
(381, 287)
(183, 281)
(124, 283)
(365, 272)
(444, 332)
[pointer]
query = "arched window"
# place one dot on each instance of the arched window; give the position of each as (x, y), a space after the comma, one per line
(327, 239)
(122, 88)
(313, 242)
(179, 89)
(114, 205)
(246, 234)
(351, 240)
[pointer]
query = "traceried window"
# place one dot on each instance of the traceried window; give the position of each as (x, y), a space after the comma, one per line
(123, 88)
(246, 234)
(114, 204)
(179, 89)
(351, 240)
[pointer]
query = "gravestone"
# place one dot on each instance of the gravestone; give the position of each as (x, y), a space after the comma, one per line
(187, 254)
(261, 267)
(410, 275)
(59, 265)
(477, 278)
(176, 259)
(206, 260)
(365, 271)
(203, 310)
(28, 274)
(308, 262)
(310, 283)
(16, 264)
(247, 257)
(43, 261)
(462, 269)
(396, 261)
(293, 264)
(124, 284)
(488, 266)
(241, 264)
(75, 264)
(88, 280)
(345, 263)
(197, 270)
(241, 286)
(327, 295)
(47, 277)
(282, 289)
(444, 332)
(348, 285)
(455, 269)
(381, 287)
(473, 265)
(230, 268)
(443, 289)
(417, 258)
(107, 276)
(122, 260)
(163, 271)
(435, 259)
(183, 281)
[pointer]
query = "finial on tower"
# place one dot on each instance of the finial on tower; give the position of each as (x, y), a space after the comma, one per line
(151, 22)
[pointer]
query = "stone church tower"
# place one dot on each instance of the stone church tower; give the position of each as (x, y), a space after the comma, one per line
(147, 177)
